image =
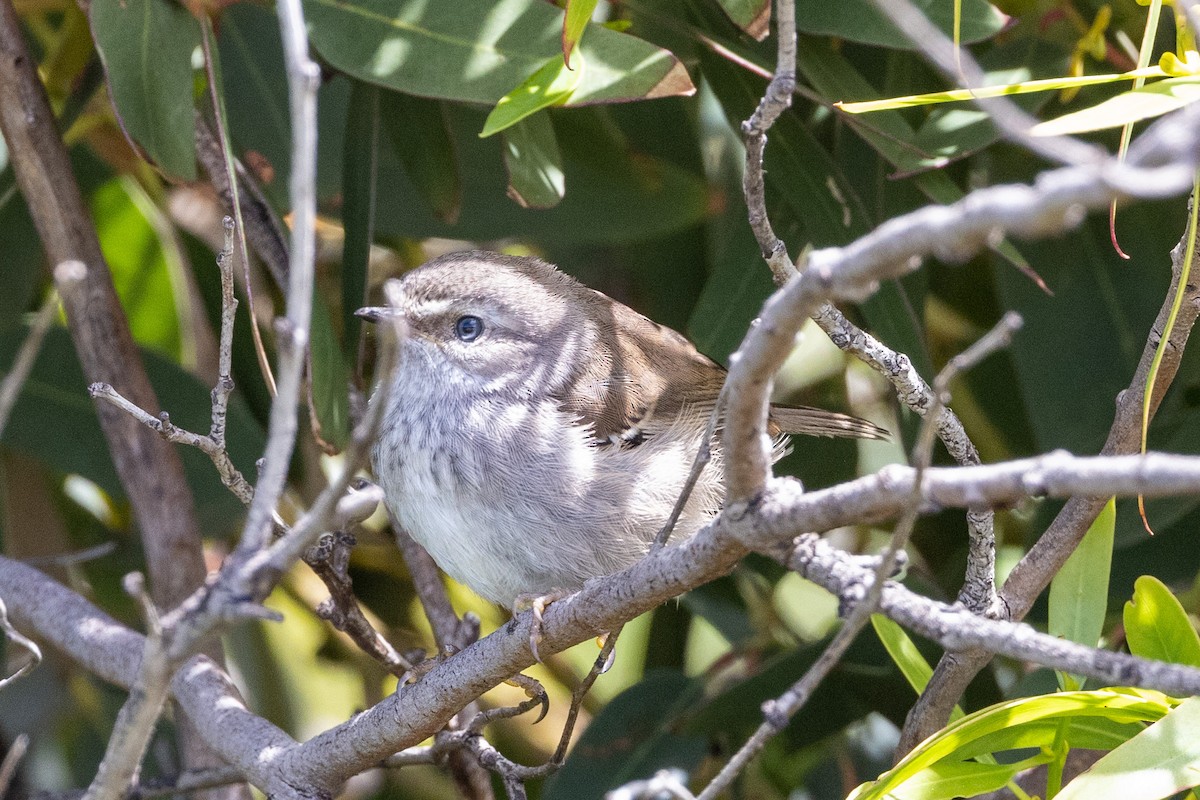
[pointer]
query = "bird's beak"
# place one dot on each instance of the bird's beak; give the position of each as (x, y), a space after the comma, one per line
(376, 313)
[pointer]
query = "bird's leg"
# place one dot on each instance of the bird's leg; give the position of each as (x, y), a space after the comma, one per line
(536, 603)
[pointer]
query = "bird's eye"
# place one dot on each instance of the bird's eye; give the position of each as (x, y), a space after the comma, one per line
(468, 328)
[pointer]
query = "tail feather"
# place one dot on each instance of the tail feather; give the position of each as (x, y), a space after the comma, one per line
(819, 422)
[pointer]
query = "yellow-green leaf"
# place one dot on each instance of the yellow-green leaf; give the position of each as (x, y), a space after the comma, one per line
(1156, 626)
(1079, 592)
(1158, 762)
(550, 85)
(1152, 100)
(912, 664)
(984, 92)
(574, 23)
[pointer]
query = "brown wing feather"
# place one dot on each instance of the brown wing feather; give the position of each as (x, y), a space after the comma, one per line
(652, 374)
(819, 422)
(655, 373)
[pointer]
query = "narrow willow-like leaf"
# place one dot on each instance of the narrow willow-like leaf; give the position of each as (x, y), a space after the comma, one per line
(984, 92)
(908, 658)
(1152, 100)
(1079, 592)
(1003, 723)
(361, 162)
(328, 387)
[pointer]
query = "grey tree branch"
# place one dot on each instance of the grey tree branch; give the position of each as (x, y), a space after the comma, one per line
(1035, 570)
(135, 722)
(292, 332)
(979, 588)
(150, 470)
(777, 712)
(1056, 202)
(317, 767)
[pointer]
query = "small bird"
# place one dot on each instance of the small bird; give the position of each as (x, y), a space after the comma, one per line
(538, 432)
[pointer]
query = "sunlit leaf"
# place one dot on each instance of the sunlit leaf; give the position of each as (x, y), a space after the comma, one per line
(550, 85)
(146, 47)
(1156, 626)
(984, 92)
(1152, 100)
(1079, 592)
(1003, 723)
(534, 163)
(1158, 762)
(139, 266)
(579, 13)
(477, 51)
(946, 781)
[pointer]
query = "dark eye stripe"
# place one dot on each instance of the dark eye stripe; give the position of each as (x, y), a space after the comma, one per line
(468, 328)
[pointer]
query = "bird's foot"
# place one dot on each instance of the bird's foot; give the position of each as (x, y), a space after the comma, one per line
(536, 603)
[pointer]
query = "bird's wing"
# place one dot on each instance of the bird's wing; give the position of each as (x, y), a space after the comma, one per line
(638, 383)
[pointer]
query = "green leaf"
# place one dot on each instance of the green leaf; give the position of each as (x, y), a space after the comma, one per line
(946, 781)
(419, 137)
(358, 208)
(534, 163)
(329, 383)
(476, 51)
(550, 85)
(1156, 626)
(1152, 100)
(138, 264)
(752, 16)
(1158, 762)
(734, 294)
(634, 736)
(1004, 723)
(860, 21)
(256, 98)
(619, 194)
(908, 658)
(1079, 592)
(579, 12)
(146, 47)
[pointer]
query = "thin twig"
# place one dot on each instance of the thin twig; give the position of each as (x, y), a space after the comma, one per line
(777, 712)
(329, 558)
(1033, 572)
(703, 456)
(217, 99)
(776, 99)
(135, 722)
(10, 387)
(292, 330)
(8, 767)
(17, 638)
(957, 65)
